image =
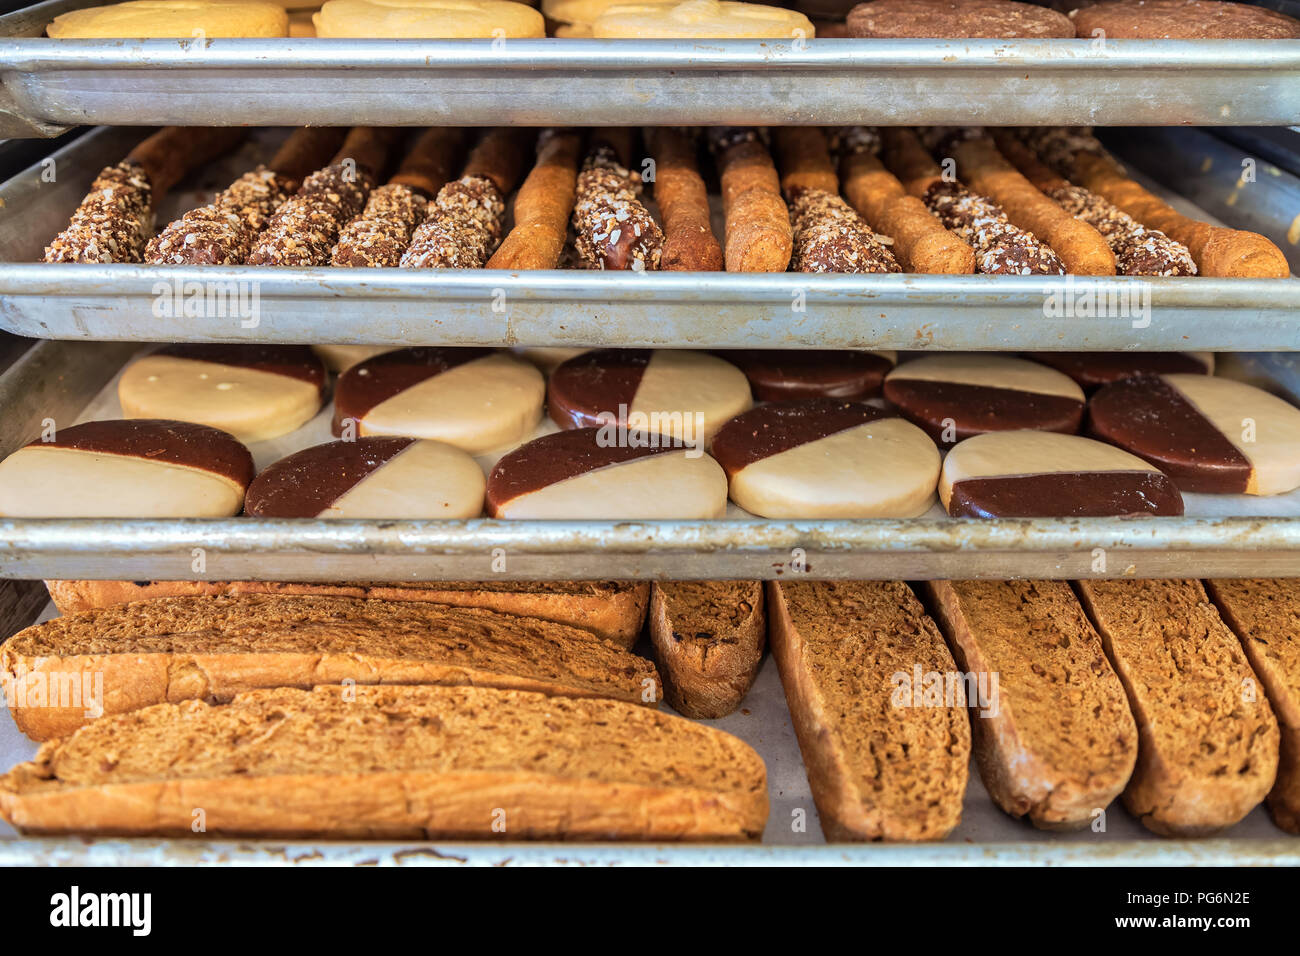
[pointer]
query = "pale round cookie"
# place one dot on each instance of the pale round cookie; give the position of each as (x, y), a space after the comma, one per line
(677, 392)
(826, 459)
(255, 392)
(429, 19)
(1031, 474)
(1208, 434)
(370, 478)
(173, 18)
(340, 358)
(954, 396)
(127, 469)
(474, 398)
(606, 474)
(705, 19)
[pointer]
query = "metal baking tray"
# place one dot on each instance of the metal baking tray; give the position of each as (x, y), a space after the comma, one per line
(48, 84)
(582, 308)
(1221, 536)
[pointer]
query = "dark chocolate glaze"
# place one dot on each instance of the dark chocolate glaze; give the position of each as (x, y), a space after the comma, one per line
(304, 484)
(160, 439)
(1094, 494)
(380, 377)
(777, 375)
(1092, 370)
(978, 409)
(771, 429)
(1152, 419)
(559, 456)
(292, 361)
(586, 385)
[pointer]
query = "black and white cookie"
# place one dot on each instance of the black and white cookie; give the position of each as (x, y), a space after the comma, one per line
(370, 478)
(781, 375)
(1032, 474)
(141, 468)
(821, 458)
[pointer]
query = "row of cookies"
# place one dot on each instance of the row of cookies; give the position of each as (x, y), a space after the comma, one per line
(855, 200)
(662, 434)
(658, 19)
(1182, 702)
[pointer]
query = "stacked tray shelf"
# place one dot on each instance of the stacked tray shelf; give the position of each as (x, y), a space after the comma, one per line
(49, 85)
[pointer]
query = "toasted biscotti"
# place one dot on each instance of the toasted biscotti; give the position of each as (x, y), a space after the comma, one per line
(1207, 738)
(614, 610)
(885, 760)
(1265, 614)
(66, 671)
(708, 638)
(1054, 738)
(393, 763)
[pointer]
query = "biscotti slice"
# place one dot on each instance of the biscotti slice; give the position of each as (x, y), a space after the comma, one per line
(881, 724)
(1207, 739)
(708, 638)
(614, 610)
(1266, 616)
(394, 763)
(60, 674)
(1054, 736)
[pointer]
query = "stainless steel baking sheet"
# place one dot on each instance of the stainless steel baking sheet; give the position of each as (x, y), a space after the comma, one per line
(1221, 536)
(581, 308)
(208, 82)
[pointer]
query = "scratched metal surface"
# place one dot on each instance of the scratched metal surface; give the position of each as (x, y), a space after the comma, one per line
(53, 83)
(579, 308)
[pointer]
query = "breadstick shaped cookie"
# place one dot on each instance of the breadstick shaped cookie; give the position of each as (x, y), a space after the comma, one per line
(613, 228)
(543, 206)
(759, 237)
(689, 243)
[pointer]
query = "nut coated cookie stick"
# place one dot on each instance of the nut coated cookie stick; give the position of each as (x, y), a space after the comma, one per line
(1217, 250)
(1139, 251)
(466, 218)
(1080, 246)
(543, 206)
(303, 230)
(828, 235)
(759, 237)
(613, 228)
(689, 243)
(381, 234)
(1001, 248)
(921, 243)
(113, 222)
(223, 231)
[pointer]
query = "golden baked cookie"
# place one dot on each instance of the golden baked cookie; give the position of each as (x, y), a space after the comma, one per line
(173, 18)
(709, 19)
(428, 19)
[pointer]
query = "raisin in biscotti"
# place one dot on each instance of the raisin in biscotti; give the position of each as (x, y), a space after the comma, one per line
(394, 763)
(129, 656)
(1266, 616)
(708, 638)
(884, 761)
(1207, 739)
(1055, 739)
(613, 610)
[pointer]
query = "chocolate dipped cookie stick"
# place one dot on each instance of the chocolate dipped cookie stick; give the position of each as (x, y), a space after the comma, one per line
(921, 243)
(543, 206)
(689, 243)
(223, 231)
(466, 219)
(114, 220)
(1139, 251)
(303, 230)
(759, 237)
(381, 234)
(613, 228)
(1217, 250)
